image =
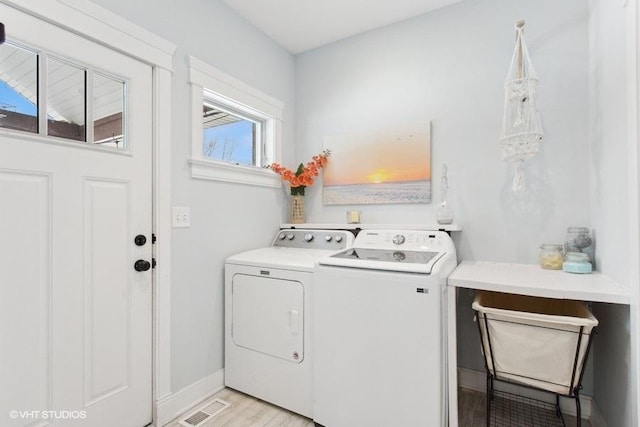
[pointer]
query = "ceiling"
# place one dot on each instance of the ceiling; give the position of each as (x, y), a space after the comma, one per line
(301, 25)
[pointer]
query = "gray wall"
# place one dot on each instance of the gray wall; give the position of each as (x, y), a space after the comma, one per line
(608, 136)
(226, 218)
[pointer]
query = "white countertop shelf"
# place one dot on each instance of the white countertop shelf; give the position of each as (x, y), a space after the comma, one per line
(344, 226)
(531, 279)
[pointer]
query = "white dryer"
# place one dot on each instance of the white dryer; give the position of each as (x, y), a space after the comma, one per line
(379, 330)
(268, 307)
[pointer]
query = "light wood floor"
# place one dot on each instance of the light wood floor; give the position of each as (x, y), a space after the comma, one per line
(247, 411)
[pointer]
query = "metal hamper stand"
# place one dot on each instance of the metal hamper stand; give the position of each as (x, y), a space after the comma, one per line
(534, 342)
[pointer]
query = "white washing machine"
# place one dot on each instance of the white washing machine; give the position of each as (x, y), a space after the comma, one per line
(379, 330)
(268, 307)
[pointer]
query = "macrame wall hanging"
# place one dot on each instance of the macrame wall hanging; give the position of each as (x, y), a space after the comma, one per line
(521, 126)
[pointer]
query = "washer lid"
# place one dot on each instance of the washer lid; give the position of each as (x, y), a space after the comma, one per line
(385, 259)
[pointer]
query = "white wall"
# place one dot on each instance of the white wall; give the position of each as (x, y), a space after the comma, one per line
(449, 67)
(226, 218)
(609, 141)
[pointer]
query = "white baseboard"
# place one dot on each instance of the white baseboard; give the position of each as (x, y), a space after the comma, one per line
(472, 380)
(174, 404)
(477, 381)
(597, 420)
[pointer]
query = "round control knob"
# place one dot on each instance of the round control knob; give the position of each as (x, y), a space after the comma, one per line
(338, 239)
(328, 238)
(398, 239)
(281, 236)
(290, 236)
(308, 237)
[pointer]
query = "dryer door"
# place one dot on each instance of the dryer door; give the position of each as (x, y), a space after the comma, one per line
(268, 316)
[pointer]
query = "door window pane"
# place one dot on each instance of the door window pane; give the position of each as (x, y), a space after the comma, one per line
(66, 100)
(108, 108)
(229, 137)
(18, 88)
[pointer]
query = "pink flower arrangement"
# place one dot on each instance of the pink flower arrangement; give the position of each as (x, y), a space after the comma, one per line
(304, 175)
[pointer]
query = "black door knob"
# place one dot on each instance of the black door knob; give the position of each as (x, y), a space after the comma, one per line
(142, 265)
(140, 240)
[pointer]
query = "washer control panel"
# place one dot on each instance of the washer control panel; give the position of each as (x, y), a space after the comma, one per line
(314, 239)
(409, 240)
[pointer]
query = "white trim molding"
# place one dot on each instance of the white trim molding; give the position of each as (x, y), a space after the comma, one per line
(596, 419)
(162, 229)
(633, 120)
(221, 88)
(220, 171)
(171, 406)
(101, 26)
(208, 76)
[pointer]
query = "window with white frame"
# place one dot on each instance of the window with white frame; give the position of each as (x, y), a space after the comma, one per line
(45, 95)
(231, 136)
(235, 129)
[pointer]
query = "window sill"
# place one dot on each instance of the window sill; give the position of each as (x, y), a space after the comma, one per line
(219, 171)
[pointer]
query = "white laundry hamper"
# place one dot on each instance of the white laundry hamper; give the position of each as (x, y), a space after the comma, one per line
(538, 342)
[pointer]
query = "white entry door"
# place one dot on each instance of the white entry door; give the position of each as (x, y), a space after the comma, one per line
(75, 315)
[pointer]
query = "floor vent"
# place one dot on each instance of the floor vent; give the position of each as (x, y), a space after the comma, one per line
(202, 414)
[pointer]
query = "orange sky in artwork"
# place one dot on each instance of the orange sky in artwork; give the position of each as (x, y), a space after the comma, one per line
(376, 157)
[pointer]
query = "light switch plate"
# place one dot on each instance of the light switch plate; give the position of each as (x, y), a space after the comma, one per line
(181, 217)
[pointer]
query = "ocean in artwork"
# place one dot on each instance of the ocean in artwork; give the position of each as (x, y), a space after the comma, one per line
(378, 193)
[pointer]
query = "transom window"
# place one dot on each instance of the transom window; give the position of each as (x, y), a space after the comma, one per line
(18, 88)
(46, 95)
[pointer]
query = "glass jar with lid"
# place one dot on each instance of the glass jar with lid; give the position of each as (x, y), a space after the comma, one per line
(577, 239)
(577, 262)
(551, 256)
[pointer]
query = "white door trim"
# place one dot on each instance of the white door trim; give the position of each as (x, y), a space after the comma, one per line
(101, 26)
(633, 106)
(162, 229)
(91, 21)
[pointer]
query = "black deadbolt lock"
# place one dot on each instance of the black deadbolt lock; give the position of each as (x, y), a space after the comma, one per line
(140, 240)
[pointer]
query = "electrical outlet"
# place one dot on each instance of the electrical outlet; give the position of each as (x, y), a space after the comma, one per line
(181, 217)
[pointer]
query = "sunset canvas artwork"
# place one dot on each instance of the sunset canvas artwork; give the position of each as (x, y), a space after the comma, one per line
(379, 167)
